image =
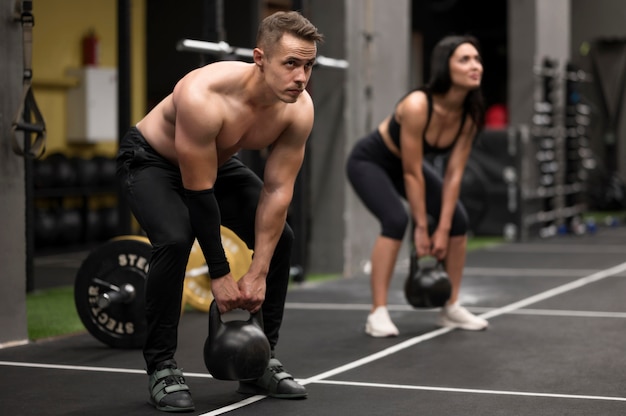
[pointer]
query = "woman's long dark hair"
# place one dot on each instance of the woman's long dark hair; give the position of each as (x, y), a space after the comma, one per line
(440, 80)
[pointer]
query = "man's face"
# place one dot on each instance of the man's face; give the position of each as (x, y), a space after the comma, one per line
(288, 65)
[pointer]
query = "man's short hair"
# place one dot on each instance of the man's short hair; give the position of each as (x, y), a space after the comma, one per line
(275, 25)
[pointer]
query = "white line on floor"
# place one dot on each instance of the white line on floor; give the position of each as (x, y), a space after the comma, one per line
(557, 291)
(319, 378)
(475, 309)
(478, 391)
(560, 248)
(88, 368)
(72, 367)
(556, 312)
(520, 272)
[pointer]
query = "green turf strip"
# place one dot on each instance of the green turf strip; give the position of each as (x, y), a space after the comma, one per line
(51, 313)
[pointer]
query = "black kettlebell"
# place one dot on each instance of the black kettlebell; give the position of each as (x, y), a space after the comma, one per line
(236, 349)
(427, 287)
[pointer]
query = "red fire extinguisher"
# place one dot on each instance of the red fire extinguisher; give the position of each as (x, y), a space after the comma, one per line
(91, 49)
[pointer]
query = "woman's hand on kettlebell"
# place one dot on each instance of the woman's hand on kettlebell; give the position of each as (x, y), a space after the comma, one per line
(226, 293)
(440, 244)
(422, 242)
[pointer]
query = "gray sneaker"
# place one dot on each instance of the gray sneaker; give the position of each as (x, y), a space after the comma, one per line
(168, 391)
(275, 382)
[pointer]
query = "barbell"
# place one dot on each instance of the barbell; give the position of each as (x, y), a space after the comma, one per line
(109, 293)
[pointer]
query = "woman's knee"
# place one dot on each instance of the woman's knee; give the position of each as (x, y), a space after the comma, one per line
(460, 221)
(395, 226)
(458, 240)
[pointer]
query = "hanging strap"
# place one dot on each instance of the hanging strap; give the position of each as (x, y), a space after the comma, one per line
(28, 106)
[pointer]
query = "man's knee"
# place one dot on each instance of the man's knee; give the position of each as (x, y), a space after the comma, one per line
(175, 245)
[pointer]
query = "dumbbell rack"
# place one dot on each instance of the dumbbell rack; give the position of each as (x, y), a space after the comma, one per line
(579, 156)
(74, 201)
(549, 183)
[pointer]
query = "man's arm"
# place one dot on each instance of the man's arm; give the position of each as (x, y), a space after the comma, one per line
(281, 170)
(197, 127)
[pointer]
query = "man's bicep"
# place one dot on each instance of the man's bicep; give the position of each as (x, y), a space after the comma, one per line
(287, 152)
(285, 161)
(282, 166)
(196, 151)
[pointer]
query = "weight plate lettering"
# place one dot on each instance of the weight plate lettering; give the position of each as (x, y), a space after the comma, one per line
(108, 310)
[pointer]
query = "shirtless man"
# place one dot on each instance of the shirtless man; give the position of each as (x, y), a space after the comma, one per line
(182, 177)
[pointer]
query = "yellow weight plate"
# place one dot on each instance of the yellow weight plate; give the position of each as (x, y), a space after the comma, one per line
(197, 289)
(132, 237)
(197, 285)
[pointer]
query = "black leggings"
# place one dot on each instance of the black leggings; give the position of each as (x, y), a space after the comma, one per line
(154, 190)
(376, 176)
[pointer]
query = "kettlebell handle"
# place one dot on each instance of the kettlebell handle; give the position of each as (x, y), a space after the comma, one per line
(414, 264)
(215, 315)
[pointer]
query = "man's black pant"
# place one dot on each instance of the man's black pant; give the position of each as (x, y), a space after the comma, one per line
(154, 190)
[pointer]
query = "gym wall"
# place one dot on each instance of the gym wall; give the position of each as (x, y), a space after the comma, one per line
(57, 48)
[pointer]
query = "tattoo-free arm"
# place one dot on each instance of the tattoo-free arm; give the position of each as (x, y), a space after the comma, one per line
(281, 170)
(454, 174)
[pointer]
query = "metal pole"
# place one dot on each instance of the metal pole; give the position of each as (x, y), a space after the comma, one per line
(223, 48)
(30, 207)
(123, 97)
(213, 25)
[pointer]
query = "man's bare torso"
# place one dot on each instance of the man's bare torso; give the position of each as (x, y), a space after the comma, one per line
(223, 88)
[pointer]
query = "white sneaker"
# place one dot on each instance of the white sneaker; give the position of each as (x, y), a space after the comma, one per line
(456, 316)
(379, 324)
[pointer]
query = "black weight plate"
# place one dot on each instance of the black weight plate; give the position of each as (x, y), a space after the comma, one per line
(117, 262)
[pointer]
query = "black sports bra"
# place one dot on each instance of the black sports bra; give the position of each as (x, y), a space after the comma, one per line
(394, 130)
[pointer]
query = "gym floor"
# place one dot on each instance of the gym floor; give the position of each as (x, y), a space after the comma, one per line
(555, 346)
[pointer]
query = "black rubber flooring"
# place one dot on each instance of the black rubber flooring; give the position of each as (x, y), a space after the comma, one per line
(555, 346)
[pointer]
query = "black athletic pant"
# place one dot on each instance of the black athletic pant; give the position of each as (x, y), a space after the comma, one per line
(153, 187)
(377, 177)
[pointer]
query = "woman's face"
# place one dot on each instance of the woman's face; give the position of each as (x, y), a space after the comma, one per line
(466, 67)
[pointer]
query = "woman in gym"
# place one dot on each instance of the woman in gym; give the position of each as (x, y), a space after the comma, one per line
(391, 165)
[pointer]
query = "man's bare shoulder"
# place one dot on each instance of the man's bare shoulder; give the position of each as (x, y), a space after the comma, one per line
(214, 78)
(306, 105)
